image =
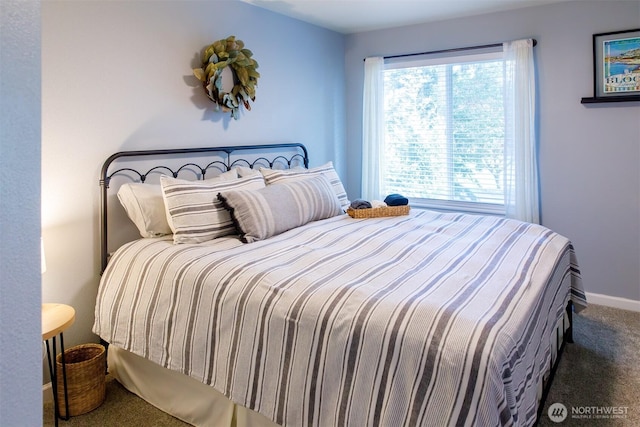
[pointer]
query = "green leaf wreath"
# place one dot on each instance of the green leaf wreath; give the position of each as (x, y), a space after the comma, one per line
(231, 53)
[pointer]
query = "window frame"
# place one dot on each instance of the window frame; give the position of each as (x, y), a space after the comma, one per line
(449, 58)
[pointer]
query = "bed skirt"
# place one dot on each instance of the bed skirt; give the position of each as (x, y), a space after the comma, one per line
(179, 395)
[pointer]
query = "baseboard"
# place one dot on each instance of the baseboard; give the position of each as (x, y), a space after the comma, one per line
(47, 393)
(615, 302)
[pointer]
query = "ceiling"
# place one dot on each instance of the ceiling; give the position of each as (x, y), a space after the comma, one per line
(352, 16)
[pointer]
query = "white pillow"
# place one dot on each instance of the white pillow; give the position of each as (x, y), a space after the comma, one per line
(274, 209)
(247, 171)
(272, 176)
(145, 207)
(194, 212)
(244, 171)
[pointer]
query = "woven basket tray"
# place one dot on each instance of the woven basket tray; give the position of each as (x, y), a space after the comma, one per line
(379, 212)
(85, 365)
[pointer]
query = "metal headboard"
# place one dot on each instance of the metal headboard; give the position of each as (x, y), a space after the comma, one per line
(298, 153)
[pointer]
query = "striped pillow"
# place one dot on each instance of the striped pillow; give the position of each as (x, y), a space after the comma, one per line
(144, 205)
(280, 207)
(193, 211)
(272, 176)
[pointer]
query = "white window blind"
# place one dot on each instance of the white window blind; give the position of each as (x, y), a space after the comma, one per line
(444, 132)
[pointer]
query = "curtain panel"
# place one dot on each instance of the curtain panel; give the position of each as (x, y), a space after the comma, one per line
(521, 160)
(372, 128)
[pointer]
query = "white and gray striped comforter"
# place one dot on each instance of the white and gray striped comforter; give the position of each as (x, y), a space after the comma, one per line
(427, 319)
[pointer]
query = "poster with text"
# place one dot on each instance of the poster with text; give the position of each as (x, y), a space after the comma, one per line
(621, 66)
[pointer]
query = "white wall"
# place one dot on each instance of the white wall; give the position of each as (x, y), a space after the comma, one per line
(589, 155)
(117, 76)
(20, 334)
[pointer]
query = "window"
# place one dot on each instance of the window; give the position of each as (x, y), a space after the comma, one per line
(444, 132)
(455, 133)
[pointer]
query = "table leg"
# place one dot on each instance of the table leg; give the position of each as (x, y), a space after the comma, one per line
(64, 378)
(54, 381)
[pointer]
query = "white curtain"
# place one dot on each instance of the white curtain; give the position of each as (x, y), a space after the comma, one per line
(372, 128)
(521, 165)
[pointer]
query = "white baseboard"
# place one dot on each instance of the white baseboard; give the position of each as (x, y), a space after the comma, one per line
(47, 393)
(615, 302)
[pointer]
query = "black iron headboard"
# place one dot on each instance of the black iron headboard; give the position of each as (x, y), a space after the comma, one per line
(296, 153)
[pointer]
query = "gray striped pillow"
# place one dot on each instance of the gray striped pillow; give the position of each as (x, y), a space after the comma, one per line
(273, 176)
(280, 207)
(193, 210)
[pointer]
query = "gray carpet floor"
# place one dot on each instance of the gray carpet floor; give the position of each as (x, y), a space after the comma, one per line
(599, 372)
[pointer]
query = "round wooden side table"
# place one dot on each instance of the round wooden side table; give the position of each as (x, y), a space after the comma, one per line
(56, 318)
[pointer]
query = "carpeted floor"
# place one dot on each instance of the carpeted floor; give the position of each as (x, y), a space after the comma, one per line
(600, 372)
(120, 408)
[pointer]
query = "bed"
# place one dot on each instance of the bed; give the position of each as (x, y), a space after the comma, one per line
(424, 319)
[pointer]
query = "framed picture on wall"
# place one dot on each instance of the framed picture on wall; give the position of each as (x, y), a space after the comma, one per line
(616, 68)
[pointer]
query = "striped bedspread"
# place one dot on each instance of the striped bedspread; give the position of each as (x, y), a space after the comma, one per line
(420, 320)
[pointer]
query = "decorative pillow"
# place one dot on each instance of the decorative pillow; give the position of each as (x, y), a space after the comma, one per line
(272, 176)
(145, 207)
(193, 211)
(229, 175)
(244, 171)
(247, 171)
(277, 208)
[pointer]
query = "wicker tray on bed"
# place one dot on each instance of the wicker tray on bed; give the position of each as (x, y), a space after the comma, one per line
(379, 212)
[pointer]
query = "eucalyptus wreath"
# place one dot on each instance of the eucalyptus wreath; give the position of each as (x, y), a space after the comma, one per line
(231, 53)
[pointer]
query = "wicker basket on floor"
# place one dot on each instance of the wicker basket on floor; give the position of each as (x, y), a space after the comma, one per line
(379, 212)
(85, 366)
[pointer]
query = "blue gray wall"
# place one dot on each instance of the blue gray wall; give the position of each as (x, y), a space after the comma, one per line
(117, 75)
(20, 355)
(589, 155)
